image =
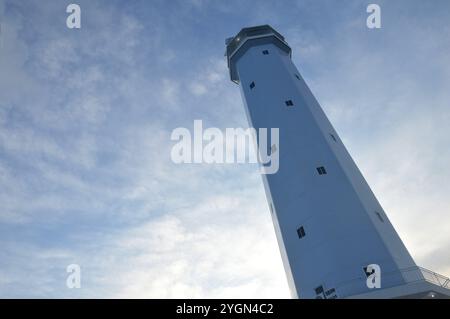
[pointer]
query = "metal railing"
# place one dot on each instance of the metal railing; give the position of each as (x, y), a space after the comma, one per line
(410, 275)
(435, 278)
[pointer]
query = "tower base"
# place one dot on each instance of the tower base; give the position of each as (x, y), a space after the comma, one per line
(415, 290)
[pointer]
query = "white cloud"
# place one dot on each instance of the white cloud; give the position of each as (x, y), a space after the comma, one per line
(170, 92)
(178, 256)
(210, 80)
(198, 89)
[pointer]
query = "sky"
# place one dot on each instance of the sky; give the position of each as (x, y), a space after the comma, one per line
(85, 122)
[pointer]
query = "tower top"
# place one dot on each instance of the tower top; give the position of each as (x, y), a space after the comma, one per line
(247, 37)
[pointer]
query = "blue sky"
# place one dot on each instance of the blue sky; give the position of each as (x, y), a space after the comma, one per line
(85, 123)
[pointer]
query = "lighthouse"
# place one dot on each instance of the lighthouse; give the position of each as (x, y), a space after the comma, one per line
(335, 239)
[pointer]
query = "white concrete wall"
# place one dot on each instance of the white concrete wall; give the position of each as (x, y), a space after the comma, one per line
(337, 210)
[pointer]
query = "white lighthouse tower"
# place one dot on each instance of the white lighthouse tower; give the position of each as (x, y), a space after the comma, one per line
(329, 225)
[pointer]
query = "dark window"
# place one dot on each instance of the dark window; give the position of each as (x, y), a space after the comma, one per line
(289, 103)
(380, 217)
(297, 76)
(319, 290)
(252, 85)
(301, 232)
(333, 137)
(266, 52)
(330, 292)
(322, 294)
(321, 170)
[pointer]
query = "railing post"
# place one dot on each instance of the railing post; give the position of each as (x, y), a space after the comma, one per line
(445, 285)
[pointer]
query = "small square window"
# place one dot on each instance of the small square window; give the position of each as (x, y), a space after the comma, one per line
(330, 292)
(265, 52)
(333, 137)
(301, 232)
(252, 85)
(379, 216)
(319, 290)
(289, 103)
(321, 170)
(297, 76)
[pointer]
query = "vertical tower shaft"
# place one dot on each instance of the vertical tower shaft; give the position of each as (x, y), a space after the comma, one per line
(328, 223)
